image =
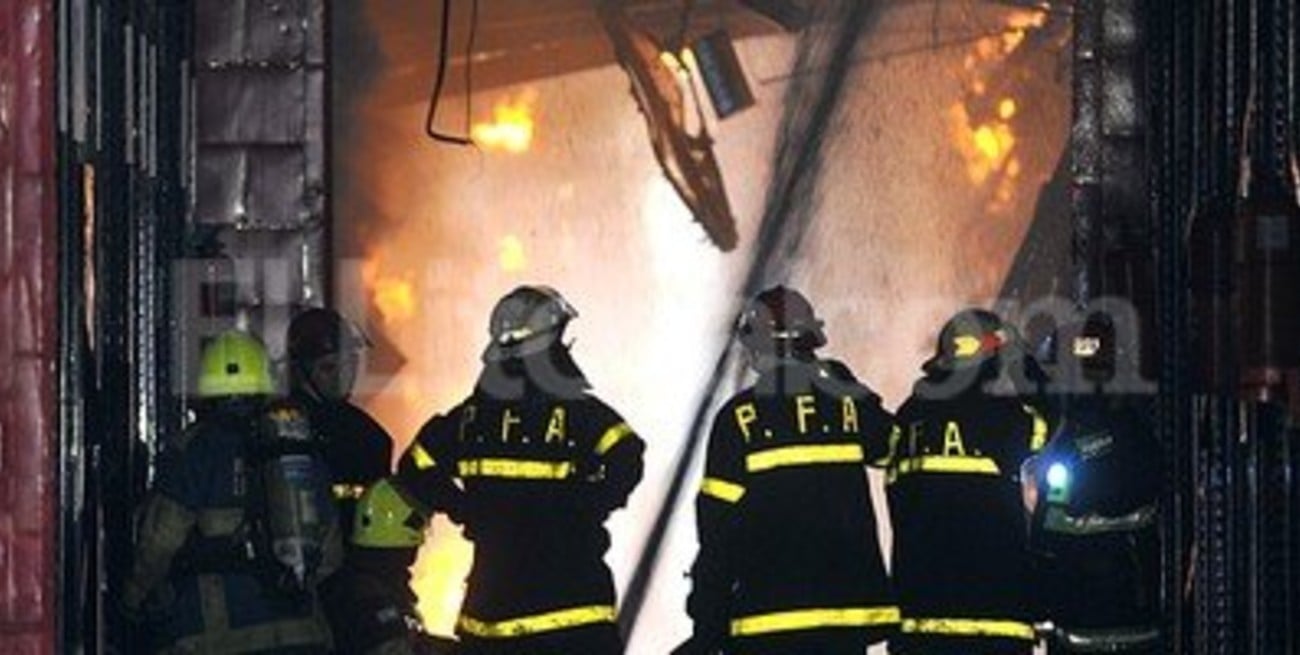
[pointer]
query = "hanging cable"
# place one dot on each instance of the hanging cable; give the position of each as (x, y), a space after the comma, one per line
(440, 76)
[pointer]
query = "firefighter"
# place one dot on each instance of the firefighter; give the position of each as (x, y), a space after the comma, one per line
(788, 559)
(385, 541)
(193, 576)
(960, 561)
(531, 464)
(324, 351)
(1092, 495)
(324, 355)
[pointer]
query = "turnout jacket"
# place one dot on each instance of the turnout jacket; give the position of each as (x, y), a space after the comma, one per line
(359, 453)
(197, 503)
(1095, 525)
(357, 449)
(960, 556)
(786, 526)
(531, 470)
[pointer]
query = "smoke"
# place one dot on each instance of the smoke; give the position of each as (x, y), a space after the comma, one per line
(809, 112)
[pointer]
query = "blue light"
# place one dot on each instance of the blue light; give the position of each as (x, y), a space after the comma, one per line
(1058, 476)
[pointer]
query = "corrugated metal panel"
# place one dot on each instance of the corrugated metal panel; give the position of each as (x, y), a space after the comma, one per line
(27, 335)
(260, 161)
(259, 98)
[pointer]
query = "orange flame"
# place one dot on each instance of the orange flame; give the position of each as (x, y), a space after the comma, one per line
(1020, 23)
(986, 147)
(393, 295)
(512, 257)
(511, 128)
(438, 577)
(1007, 109)
(987, 142)
(438, 574)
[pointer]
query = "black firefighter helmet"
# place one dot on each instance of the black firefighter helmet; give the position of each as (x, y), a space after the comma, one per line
(317, 332)
(780, 321)
(970, 338)
(527, 321)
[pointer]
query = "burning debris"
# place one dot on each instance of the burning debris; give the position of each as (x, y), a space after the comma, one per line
(687, 159)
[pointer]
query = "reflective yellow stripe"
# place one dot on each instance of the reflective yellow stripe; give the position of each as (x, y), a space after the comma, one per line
(527, 625)
(515, 468)
(611, 438)
(722, 490)
(423, 460)
(1039, 437)
(844, 617)
(348, 491)
(803, 456)
(971, 628)
(948, 464)
(966, 345)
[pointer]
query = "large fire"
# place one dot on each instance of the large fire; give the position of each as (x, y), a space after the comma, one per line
(511, 127)
(586, 209)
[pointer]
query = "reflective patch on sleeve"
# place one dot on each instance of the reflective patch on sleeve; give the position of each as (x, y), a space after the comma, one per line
(1038, 438)
(423, 460)
(727, 492)
(612, 437)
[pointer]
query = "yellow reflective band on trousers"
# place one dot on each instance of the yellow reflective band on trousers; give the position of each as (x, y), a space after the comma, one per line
(348, 491)
(970, 628)
(773, 458)
(611, 438)
(813, 619)
(728, 492)
(423, 460)
(530, 625)
(518, 469)
(947, 464)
